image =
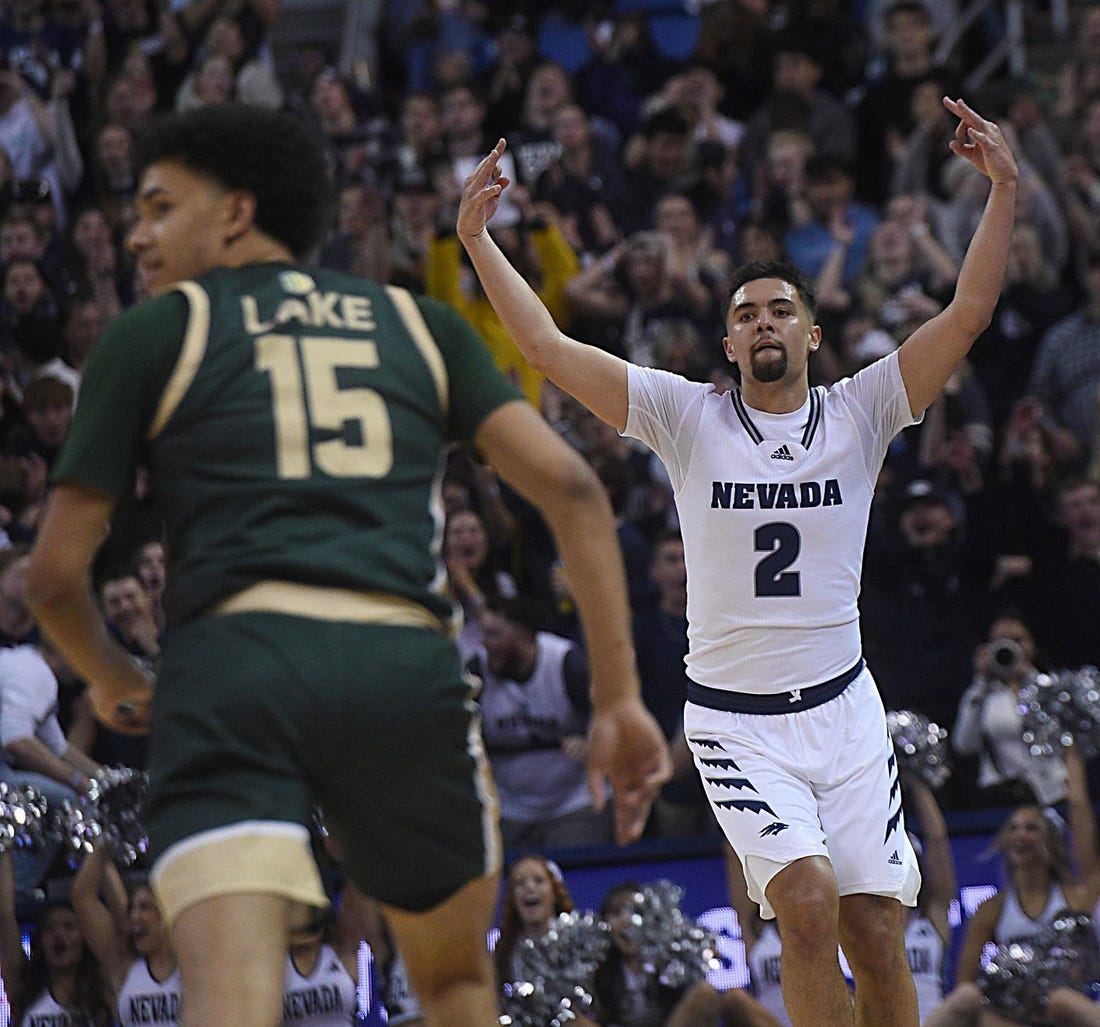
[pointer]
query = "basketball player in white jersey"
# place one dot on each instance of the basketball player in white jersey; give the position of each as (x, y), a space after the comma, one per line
(773, 487)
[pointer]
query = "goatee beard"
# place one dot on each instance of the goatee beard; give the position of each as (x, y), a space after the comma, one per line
(765, 371)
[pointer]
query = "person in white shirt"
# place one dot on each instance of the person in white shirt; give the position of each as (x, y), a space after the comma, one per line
(989, 724)
(773, 486)
(35, 750)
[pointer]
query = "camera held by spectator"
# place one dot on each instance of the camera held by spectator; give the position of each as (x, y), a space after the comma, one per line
(1005, 659)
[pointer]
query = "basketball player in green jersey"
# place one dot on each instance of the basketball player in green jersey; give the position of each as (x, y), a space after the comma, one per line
(293, 422)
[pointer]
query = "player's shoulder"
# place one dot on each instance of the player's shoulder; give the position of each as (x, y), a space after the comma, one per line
(160, 307)
(298, 279)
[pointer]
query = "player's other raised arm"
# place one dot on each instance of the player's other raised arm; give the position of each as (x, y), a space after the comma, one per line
(930, 355)
(591, 375)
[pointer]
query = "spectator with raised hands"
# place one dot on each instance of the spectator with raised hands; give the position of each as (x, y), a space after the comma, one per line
(1068, 1007)
(1034, 298)
(905, 278)
(695, 266)
(60, 982)
(928, 928)
(128, 938)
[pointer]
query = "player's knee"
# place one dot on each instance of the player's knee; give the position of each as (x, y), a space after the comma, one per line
(703, 1001)
(872, 933)
(700, 1006)
(965, 999)
(805, 904)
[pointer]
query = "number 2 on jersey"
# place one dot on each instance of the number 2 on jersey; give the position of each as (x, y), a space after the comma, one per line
(306, 393)
(782, 543)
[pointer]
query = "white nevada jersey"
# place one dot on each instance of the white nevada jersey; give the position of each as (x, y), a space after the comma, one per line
(773, 511)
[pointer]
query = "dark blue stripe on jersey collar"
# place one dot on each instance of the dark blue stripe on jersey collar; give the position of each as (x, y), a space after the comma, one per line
(743, 417)
(813, 420)
(754, 433)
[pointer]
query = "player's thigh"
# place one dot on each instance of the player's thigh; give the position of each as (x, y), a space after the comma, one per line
(447, 943)
(763, 803)
(232, 955)
(401, 772)
(229, 801)
(233, 693)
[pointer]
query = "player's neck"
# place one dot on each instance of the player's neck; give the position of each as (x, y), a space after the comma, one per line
(782, 397)
(256, 247)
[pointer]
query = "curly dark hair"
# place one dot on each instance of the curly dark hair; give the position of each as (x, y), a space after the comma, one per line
(274, 155)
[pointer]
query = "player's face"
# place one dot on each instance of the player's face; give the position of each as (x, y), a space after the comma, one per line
(769, 331)
(182, 226)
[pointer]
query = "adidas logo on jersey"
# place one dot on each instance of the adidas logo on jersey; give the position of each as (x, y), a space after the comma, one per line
(782, 453)
(894, 859)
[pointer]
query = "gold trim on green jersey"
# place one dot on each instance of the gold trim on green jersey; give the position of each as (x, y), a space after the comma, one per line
(191, 354)
(422, 336)
(328, 604)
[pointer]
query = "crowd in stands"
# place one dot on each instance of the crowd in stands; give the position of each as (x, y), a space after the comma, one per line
(804, 130)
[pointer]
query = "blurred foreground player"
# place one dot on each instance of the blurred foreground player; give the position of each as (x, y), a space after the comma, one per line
(293, 422)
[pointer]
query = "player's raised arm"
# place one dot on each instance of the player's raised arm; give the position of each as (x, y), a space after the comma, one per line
(930, 355)
(591, 375)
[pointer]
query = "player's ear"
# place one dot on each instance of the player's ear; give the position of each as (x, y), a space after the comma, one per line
(239, 213)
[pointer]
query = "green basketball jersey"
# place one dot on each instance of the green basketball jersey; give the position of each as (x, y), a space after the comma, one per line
(294, 422)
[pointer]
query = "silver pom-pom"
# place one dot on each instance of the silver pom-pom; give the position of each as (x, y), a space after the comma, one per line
(920, 746)
(113, 809)
(1010, 982)
(553, 978)
(679, 950)
(1017, 979)
(1059, 709)
(24, 819)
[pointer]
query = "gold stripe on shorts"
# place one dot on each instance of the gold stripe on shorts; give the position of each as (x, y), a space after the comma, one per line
(254, 856)
(328, 604)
